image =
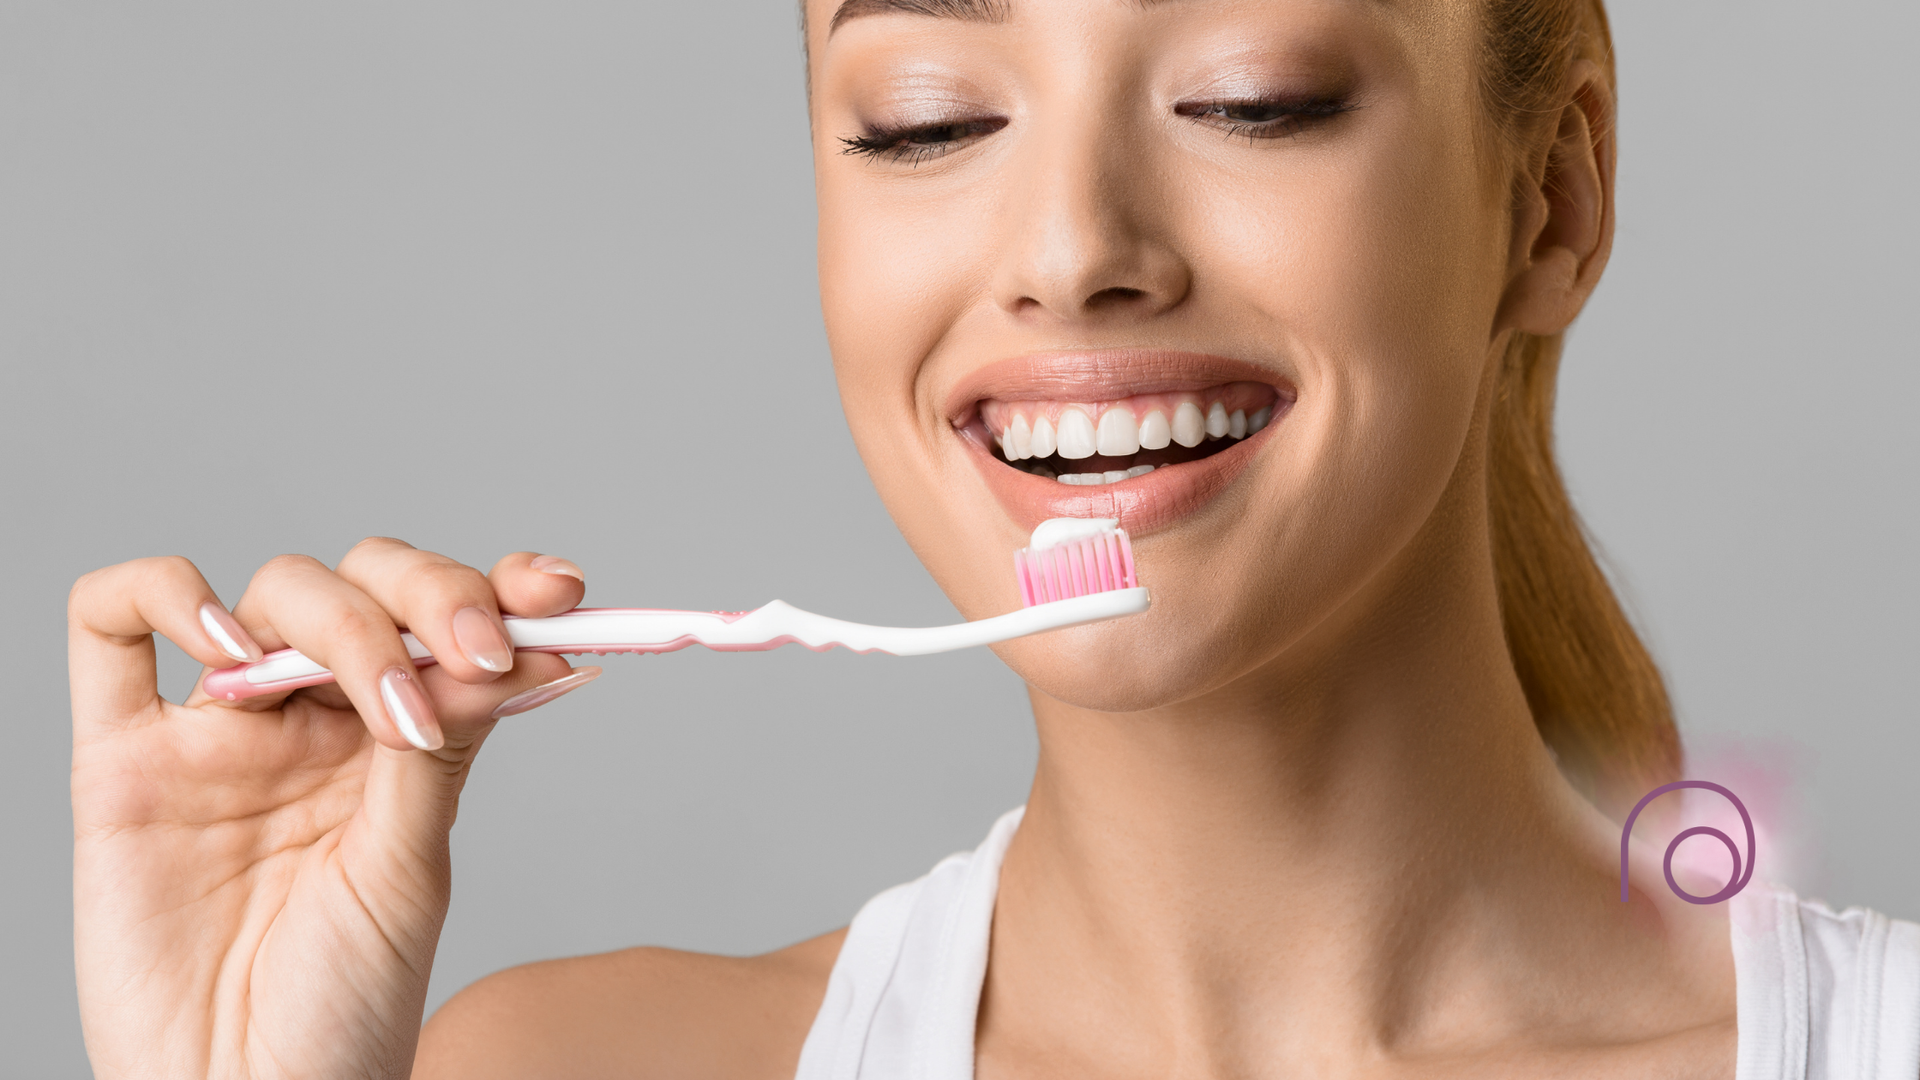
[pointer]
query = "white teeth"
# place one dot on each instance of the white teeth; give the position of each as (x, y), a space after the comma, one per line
(1119, 432)
(1075, 437)
(1154, 432)
(1111, 477)
(1189, 427)
(1041, 444)
(1019, 438)
(1217, 421)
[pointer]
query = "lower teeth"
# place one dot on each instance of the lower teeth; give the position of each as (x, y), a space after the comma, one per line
(1112, 477)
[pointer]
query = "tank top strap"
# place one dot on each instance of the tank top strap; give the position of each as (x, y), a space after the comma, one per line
(904, 995)
(1823, 995)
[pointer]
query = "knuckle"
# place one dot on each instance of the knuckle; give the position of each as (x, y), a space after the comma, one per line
(280, 568)
(170, 566)
(373, 544)
(137, 575)
(83, 585)
(169, 570)
(445, 578)
(373, 556)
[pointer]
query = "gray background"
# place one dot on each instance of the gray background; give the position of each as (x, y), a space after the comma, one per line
(497, 276)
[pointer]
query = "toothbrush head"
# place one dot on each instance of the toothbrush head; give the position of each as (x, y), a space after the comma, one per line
(1069, 557)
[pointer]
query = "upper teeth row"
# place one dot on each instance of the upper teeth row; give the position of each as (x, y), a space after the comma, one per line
(1118, 433)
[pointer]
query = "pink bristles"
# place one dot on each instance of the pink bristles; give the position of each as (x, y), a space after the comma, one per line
(1096, 564)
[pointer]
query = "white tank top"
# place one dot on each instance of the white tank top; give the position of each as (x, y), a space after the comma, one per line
(1820, 995)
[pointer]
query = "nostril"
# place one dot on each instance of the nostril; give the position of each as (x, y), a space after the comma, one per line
(1118, 296)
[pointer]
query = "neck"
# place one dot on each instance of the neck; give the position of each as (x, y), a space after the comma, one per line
(1364, 843)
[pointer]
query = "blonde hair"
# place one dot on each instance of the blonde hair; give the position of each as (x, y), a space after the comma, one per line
(1596, 695)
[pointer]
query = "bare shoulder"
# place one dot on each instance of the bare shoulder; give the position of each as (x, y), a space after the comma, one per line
(636, 1013)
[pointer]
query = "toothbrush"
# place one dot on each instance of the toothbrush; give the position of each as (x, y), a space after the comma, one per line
(1073, 571)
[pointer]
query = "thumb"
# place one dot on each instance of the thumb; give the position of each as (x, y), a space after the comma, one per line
(412, 796)
(399, 855)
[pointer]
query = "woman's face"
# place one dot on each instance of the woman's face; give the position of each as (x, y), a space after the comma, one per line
(1095, 233)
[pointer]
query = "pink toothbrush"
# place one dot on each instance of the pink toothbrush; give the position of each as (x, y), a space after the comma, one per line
(1073, 571)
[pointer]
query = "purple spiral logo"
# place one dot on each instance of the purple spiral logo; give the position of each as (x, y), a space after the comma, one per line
(1740, 876)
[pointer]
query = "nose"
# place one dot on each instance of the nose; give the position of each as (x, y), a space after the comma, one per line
(1088, 238)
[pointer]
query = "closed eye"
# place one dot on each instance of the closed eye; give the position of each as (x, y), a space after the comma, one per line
(917, 144)
(1263, 118)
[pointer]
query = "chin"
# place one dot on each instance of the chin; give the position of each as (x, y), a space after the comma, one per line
(1117, 667)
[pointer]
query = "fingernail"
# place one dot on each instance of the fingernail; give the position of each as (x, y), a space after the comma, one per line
(540, 695)
(227, 634)
(480, 639)
(409, 708)
(554, 564)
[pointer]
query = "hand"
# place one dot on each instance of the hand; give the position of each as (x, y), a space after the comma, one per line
(259, 886)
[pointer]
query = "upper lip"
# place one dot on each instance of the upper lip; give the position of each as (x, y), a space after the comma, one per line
(1101, 375)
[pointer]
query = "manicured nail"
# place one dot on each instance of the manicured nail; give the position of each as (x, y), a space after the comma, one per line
(409, 708)
(554, 564)
(480, 639)
(540, 695)
(227, 634)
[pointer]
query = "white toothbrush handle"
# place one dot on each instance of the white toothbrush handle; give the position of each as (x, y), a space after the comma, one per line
(614, 630)
(779, 622)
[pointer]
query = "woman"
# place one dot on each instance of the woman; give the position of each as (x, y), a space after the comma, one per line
(1337, 805)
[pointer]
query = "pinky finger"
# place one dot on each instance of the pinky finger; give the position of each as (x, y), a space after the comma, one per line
(529, 700)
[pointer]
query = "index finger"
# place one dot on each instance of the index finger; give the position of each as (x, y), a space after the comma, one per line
(112, 615)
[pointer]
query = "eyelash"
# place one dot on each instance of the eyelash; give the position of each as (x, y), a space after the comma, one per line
(1291, 116)
(911, 144)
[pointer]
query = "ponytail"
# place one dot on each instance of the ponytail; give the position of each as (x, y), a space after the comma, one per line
(1596, 695)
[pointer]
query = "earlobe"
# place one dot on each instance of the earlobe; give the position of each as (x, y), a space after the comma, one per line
(1563, 213)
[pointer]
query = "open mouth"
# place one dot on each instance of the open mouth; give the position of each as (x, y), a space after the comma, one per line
(1148, 436)
(1109, 442)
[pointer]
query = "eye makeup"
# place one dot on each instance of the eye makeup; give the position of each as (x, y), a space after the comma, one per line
(916, 143)
(1266, 116)
(1256, 119)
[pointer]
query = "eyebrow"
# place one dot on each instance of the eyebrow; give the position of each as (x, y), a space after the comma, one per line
(987, 11)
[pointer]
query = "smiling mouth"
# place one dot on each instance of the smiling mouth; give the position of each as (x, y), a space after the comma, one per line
(1095, 443)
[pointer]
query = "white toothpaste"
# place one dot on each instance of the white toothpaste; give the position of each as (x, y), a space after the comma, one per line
(1057, 531)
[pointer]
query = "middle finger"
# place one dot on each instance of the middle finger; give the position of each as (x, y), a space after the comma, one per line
(449, 606)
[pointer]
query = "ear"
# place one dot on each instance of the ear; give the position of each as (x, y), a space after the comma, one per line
(1563, 212)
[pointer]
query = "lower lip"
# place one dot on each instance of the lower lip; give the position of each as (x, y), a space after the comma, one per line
(1143, 503)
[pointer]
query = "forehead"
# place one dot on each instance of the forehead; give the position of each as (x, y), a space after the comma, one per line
(988, 11)
(830, 15)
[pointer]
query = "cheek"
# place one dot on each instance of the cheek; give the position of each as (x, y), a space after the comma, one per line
(889, 291)
(1379, 274)
(899, 273)
(876, 315)
(1381, 264)
(897, 266)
